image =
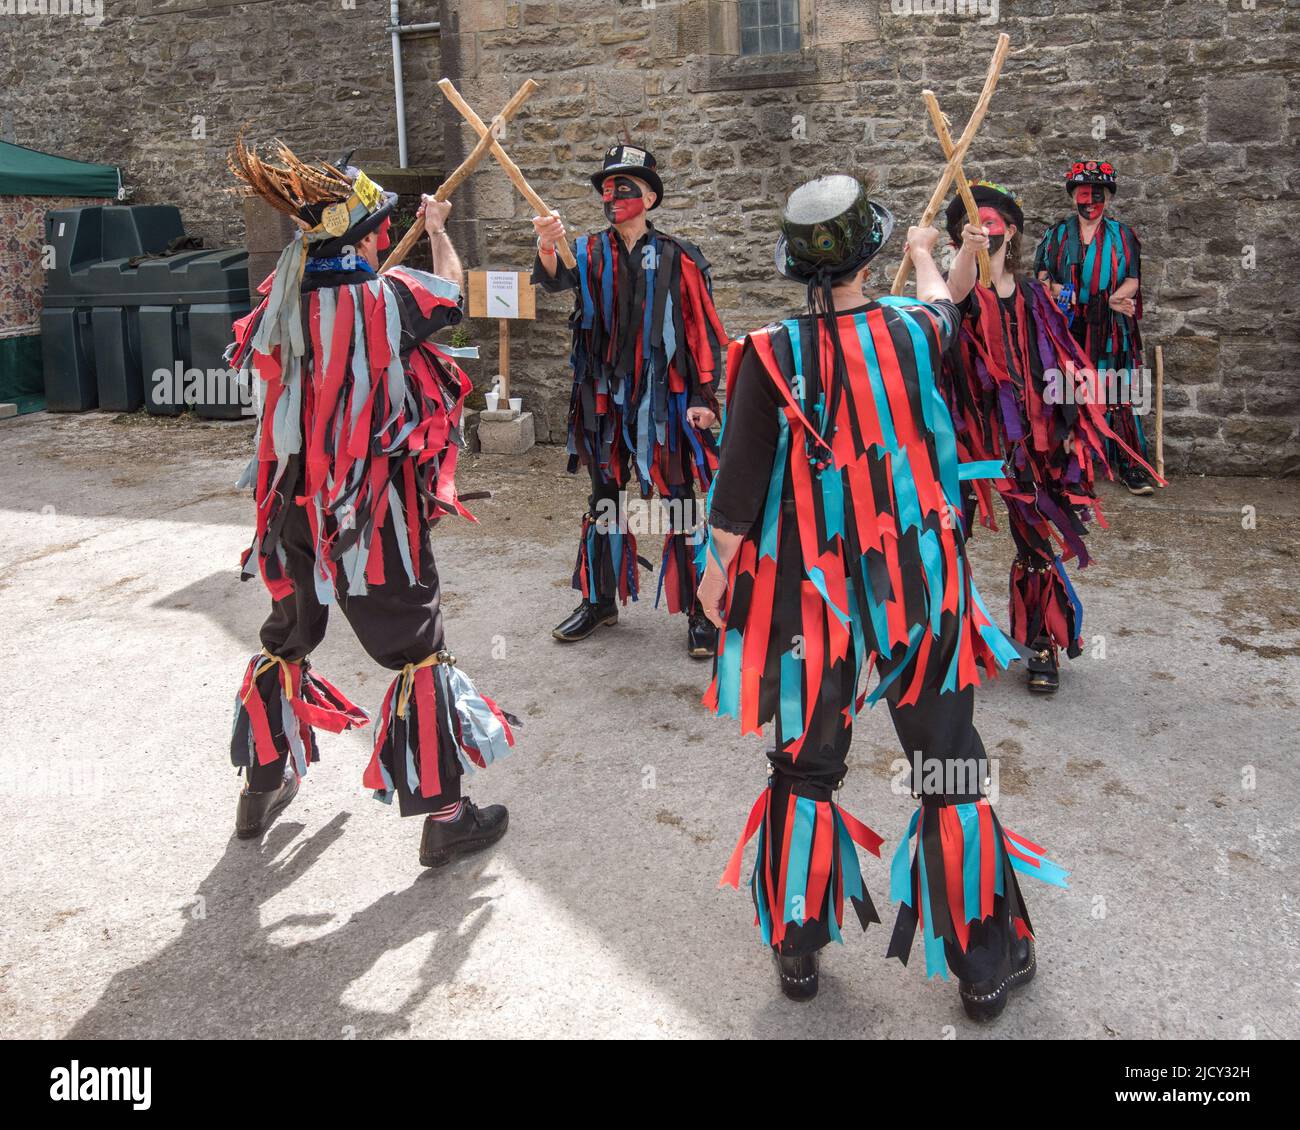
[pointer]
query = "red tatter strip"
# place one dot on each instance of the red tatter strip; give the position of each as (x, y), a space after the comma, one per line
(988, 858)
(1023, 842)
(856, 367)
(500, 716)
(952, 843)
(731, 875)
(373, 777)
(819, 869)
(860, 834)
(426, 702)
(891, 374)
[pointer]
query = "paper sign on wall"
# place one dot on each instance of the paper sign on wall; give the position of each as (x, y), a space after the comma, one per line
(502, 294)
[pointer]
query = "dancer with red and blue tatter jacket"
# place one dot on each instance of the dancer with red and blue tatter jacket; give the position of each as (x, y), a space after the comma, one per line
(359, 426)
(647, 352)
(834, 554)
(1093, 264)
(1020, 389)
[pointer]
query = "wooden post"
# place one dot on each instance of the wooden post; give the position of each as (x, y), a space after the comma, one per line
(503, 348)
(1160, 411)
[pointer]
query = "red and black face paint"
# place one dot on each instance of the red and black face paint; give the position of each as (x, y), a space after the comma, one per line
(385, 240)
(623, 199)
(1090, 199)
(992, 219)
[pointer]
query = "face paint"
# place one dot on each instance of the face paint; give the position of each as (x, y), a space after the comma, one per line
(623, 200)
(992, 219)
(385, 240)
(1090, 199)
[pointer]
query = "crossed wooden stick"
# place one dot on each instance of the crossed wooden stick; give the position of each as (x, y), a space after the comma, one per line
(955, 153)
(487, 143)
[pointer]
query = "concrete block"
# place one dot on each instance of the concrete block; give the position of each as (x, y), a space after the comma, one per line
(7, 410)
(504, 433)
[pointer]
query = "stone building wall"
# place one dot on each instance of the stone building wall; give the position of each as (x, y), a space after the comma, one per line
(1196, 101)
(316, 73)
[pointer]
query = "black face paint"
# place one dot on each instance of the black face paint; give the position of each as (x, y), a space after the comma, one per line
(996, 241)
(623, 200)
(1090, 200)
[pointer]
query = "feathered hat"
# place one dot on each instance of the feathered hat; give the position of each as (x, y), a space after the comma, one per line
(334, 208)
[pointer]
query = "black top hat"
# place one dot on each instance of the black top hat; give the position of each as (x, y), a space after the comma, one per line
(632, 161)
(1091, 172)
(363, 212)
(987, 195)
(830, 229)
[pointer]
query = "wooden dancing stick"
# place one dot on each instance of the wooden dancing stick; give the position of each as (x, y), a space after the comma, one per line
(503, 159)
(463, 170)
(963, 189)
(958, 153)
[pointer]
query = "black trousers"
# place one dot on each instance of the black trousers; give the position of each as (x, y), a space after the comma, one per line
(940, 730)
(396, 622)
(604, 500)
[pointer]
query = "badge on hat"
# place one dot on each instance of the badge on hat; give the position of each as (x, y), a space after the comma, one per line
(336, 219)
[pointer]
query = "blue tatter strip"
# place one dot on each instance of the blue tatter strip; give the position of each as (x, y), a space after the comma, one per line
(900, 868)
(584, 283)
(796, 871)
(791, 695)
(877, 381)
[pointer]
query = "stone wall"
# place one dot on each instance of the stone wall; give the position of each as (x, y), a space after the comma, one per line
(316, 73)
(1195, 100)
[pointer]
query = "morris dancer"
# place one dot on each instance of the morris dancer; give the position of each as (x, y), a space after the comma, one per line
(1020, 390)
(647, 347)
(833, 553)
(358, 432)
(1093, 264)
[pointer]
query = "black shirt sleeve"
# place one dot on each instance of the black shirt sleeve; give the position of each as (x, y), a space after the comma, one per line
(748, 447)
(566, 278)
(416, 327)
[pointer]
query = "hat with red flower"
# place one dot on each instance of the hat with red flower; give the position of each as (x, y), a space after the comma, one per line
(1091, 172)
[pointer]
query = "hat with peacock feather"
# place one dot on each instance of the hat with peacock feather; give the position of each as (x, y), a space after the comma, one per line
(334, 207)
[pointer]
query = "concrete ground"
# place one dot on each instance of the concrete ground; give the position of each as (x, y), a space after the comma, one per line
(1164, 777)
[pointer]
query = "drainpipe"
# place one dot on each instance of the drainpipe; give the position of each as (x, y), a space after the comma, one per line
(397, 29)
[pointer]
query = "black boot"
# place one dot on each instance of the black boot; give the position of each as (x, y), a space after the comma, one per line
(256, 810)
(797, 974)
(1135, 479)
(985, 1000)
(473, 830)
(1044, 673)
(701, 637)
(585, 619)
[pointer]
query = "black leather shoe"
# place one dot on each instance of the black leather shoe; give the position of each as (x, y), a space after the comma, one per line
(256, 810)
(585, 619)
(797, 974)
(1044, 672)
(475, 829)
(1136, 480)
(701, 637)
(986, 1000)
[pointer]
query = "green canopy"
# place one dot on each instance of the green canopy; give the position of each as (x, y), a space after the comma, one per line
(27, 172)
